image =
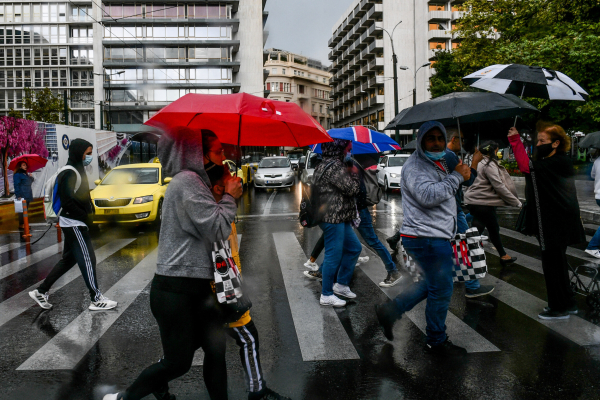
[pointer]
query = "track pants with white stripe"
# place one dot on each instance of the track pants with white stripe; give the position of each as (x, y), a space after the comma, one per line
(77, 249)
(246, 338)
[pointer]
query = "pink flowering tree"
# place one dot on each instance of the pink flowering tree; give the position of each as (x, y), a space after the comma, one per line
(19, 136)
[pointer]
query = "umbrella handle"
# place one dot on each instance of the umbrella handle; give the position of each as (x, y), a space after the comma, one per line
(516, 116)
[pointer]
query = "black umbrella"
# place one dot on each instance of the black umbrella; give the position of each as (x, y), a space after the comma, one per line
(412, 145)
(465, 107)
(590, 141)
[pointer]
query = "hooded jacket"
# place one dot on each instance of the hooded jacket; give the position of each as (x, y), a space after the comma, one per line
(428, 194)
(493, 186)
(75, 205)
(337, 188)
(192, 220)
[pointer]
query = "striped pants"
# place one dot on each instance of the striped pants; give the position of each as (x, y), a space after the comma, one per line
(77, 249)
(246, 338)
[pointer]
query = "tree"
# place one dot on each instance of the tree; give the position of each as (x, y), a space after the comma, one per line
(19, 136)
(43, 105)
(14, 113)
(558, 34)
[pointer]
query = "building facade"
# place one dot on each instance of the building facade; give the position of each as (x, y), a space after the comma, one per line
(301, 80)
(361, 52)
(120, 62)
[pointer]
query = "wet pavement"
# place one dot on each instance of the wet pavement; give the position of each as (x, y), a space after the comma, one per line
(307, 352)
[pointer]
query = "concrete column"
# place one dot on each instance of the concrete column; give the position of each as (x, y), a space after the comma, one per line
(98, 61)
(250, 55)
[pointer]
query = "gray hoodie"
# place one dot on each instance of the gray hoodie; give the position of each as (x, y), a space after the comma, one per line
(428, 195)
(192, 220)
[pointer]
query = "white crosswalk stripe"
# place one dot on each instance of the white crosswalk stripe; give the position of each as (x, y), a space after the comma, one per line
(20, 302)
(10, 246)
(22, 263)
(70, 345)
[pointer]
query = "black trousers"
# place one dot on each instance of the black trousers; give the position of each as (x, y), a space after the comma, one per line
(556, 273)
(246, 338)
(78, 249)
(485, 217)
(186, 322)
(319, 246)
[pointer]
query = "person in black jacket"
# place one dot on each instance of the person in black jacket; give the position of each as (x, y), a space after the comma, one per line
(74, 220)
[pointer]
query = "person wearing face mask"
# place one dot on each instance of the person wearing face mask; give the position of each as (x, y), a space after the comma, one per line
(336, 183)
(552, 212)
(74, 221)
(429, 189)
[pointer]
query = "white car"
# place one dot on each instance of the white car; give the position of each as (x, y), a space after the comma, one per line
(389, 169)
(274, 172)
(306, 174)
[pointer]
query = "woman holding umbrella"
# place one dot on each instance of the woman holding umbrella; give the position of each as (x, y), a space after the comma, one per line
(22, 181)
(552, 211)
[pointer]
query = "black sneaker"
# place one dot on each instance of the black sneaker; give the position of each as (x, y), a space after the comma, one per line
(393, 278)
(163, 394)
(445, 349)
(553, 315)
(393, 241)
(481, 291)
(313, 275)
(573, 311)
(266, 394)
(386, 318)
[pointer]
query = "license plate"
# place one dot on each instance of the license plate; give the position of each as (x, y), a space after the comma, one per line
(111, 212)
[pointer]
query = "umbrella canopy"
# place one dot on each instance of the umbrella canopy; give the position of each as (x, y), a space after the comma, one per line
(363, 140)
(34, 162)
(466, 106)
(412, 145)
(362, 148)
(590, 141)
(243, 120)
(526, 81)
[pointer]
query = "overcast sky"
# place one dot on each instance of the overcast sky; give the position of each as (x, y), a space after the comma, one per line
(303, 26)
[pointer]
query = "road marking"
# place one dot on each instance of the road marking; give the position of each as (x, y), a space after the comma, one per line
(31, 259)
(462, 334)
(21, 302)
(10, 246)
(70, 345)
(267, 210)
(321, 335)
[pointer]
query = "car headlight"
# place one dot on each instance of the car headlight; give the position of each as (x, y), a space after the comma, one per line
(143, 199)
(291, 173)
(259, 176)
(393, 175)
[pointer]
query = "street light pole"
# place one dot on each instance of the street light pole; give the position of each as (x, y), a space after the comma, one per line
(394, 65)
(414, 136)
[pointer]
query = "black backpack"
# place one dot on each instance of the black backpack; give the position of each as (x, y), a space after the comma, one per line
(373, 191)
(308, 206)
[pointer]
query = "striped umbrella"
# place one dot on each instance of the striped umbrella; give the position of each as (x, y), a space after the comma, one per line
(364, 140)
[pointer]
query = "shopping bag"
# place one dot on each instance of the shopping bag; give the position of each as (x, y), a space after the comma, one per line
(469, 257)
(19, 206)
(227, 275)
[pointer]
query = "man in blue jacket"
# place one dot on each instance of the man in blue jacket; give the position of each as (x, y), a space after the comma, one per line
(429, 189)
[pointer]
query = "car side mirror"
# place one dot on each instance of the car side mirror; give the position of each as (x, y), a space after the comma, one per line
(97, 182)
(167, 180)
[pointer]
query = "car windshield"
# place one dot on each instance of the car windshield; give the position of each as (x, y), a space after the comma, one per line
(294, 156)
(132, 176)
(313, 161)
(396, 161)
(274, 163)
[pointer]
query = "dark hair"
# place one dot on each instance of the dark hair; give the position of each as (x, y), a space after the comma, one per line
(18, 168)
(208, 137)
(488, 149)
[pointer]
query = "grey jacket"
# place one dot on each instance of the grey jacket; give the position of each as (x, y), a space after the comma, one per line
(492, 187)
(428, 195)
(192, 220)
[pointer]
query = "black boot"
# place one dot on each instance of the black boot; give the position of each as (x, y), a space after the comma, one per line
(393, 241)
(163, 394)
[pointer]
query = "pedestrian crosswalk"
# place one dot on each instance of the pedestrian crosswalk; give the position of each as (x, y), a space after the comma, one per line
(22, 263)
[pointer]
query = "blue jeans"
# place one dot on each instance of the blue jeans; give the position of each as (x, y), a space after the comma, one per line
(434, 257)
(368, 233)
(342, 249)
(595, 242)
(462, 225)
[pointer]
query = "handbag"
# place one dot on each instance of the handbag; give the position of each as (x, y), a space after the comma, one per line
(18, 206)
(521, 224)
(308, 205)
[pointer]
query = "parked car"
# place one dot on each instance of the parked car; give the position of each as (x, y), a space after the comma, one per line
(306, 174)
(130, 194)
(294, 156)
(389, 169)
(274, 172)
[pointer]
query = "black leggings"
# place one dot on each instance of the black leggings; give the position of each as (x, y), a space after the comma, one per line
(556, 273)
(319, 246)
(485, 217)
(186, 322)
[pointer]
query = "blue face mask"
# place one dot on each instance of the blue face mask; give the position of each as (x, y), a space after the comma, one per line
(87, 161)
(348, 158)
(435, 156)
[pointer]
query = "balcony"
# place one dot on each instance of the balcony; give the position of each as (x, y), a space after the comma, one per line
(353, 49)
(439, 34)
(379, 99)
(439, 15)
(458, 14)
(378, 44)
(354, 78)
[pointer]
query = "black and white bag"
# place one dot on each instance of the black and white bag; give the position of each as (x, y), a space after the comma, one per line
(227, 275)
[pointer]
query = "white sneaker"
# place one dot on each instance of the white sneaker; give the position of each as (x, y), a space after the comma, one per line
(361, 260)
(593, 253)
(41, 299)
(332, 300)
(342, 290)
(114, 396)
(484, 238)
(102, 304)
(313, 266)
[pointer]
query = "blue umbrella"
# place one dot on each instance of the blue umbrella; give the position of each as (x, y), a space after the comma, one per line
(363, 140)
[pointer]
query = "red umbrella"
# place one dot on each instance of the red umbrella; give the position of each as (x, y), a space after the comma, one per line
(243, 120)
(34, 162)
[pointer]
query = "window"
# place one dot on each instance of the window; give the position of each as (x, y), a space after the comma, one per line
(437, 45)
(301, 89)
(321, 108)
(283, 71)
(437, 7)
(436, 27)
(273, 70)
(324, 80)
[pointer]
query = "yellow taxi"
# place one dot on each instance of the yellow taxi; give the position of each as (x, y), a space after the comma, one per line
(232, 170)
(130, 194)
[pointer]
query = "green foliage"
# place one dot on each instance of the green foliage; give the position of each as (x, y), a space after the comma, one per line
(15, 114)
(558, 34)
(43, 106)
(511, 167)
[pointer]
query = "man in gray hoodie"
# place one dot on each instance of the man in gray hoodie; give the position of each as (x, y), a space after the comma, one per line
(429, 205)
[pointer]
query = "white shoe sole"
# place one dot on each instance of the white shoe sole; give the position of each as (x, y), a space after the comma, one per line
(306, 274)
(311, 267)
(554, 318)
(397, 281)
(353, 296)
(94, 308)
(47, 307)
(332, 305)
(593, 255)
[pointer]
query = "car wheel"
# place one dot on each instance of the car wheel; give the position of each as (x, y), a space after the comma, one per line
(385, 184)
(159, 213)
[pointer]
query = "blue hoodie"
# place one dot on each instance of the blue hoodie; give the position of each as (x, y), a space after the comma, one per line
(428, 196)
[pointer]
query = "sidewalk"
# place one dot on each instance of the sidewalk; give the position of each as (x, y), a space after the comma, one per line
(590, 211)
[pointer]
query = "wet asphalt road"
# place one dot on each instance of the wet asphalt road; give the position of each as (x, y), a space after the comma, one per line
(513, 356)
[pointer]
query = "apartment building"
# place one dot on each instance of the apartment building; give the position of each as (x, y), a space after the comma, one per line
(361, 52)
(120, 62)
(301, 80)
